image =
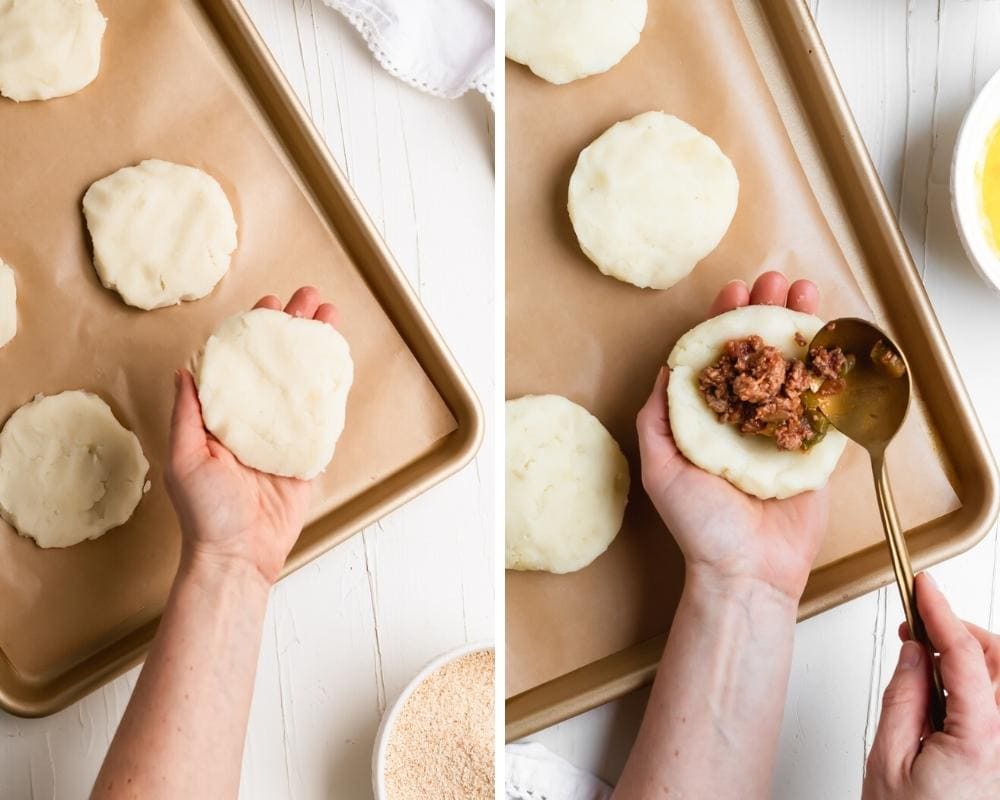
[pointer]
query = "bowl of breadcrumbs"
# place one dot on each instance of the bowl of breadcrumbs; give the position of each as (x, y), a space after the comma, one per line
(436, 741)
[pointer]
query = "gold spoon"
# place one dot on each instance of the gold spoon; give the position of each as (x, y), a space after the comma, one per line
(870, 410)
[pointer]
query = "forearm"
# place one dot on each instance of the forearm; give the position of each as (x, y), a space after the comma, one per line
(184, 728)
(712, 724)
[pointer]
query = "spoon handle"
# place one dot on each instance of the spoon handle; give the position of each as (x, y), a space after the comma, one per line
(904, 579)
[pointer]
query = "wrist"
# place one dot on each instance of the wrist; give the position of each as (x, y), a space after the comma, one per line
(706, 581)
(213, 571)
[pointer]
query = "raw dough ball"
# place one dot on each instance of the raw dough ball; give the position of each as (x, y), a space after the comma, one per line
(162, 233)
(562, 40)
(751, 463)
(567, 485)
(8, 304)
(68, 470)
(650, 198)
(48, 48)
(273, 389)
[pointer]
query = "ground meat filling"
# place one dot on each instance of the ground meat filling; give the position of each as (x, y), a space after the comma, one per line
(754, 387)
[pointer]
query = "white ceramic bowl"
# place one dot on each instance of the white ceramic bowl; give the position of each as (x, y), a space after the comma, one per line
(389, 718)
(970, 152)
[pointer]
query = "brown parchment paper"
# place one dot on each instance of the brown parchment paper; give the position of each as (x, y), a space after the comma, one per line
(165, 90)
(599, 342)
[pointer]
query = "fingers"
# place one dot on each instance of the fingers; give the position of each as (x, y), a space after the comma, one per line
(270, 302)
(986, 639)
(657, 450)
(187, 430)
(653, 416)
(904, 712)
(327, 312)
(971, 700)
(734, 294)
(304, 303)
(990, 643)
(803, 296)
(770, 289)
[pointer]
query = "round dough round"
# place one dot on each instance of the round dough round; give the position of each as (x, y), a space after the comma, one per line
(8, 304)
(48, 48)
(273, 389)
(563, 40)
(567, 485)
(162, 233)
(751, 463)
(651, 197)
(68, 470)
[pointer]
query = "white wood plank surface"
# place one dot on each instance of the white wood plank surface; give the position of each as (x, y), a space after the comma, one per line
(346, 633)
(910, 69)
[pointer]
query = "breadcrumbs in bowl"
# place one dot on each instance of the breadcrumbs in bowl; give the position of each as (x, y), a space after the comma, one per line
(437, 740)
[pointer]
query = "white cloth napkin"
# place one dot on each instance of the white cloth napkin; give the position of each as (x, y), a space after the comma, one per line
(444, 47)
(535, 773)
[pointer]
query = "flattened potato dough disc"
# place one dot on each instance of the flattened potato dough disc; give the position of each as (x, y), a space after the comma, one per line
(69, 471)
(162, 233)
(567, 485)
(273, 389)
(751, 463)
(651, 197)
(563, 40)
(8, 304)
(48, 48)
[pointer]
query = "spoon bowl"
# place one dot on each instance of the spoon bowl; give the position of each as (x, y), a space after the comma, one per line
(871, 407)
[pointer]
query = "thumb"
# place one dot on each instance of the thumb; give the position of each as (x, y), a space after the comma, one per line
(188, 440)
(905, 706)
(656, 446)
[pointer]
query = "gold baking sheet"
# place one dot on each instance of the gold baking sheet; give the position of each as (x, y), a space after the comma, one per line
(192, 82)
(575, 641)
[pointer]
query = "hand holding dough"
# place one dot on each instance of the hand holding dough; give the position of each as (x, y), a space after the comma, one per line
(48, 48)
(273, 390)
(717, 526)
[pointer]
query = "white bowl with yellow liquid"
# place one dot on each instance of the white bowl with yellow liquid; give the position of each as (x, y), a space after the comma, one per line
(975, 182)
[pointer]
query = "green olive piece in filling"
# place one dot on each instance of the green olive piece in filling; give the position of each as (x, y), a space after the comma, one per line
(816, 420)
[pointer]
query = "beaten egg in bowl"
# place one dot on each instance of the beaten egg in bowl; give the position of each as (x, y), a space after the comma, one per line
(975, 182)
(989, 184)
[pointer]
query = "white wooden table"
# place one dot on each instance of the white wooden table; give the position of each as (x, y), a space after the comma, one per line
(910, 69)
(346, 633)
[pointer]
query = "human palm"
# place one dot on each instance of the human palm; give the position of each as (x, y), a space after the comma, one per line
(716, 525)
(231, 513)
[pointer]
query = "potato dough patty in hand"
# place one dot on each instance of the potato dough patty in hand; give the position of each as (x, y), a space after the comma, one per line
(273, 389)
(69, 471)
(567, 485)
(748, 461)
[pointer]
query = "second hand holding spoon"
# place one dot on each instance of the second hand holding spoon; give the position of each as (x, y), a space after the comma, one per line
(870, 410)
